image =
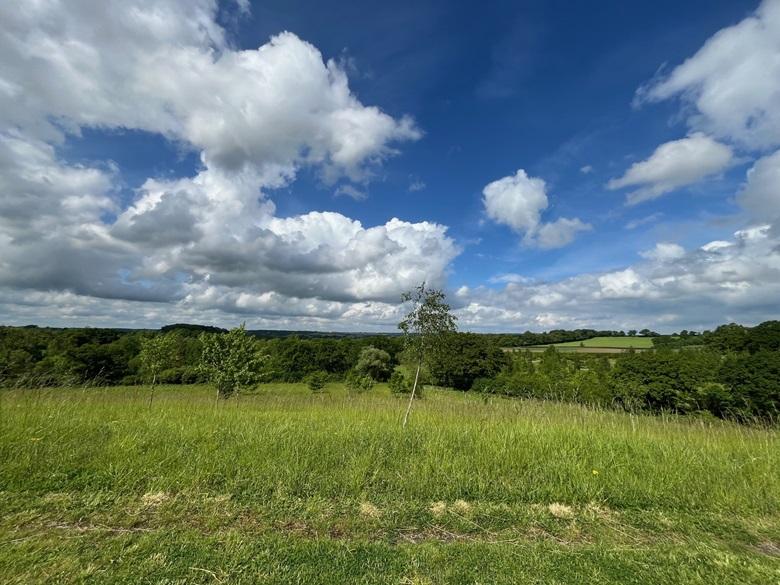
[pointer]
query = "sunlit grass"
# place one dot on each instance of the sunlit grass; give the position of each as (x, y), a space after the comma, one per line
(315, 472)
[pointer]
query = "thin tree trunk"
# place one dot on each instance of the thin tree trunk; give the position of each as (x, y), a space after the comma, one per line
(411, 398)
(151, 395)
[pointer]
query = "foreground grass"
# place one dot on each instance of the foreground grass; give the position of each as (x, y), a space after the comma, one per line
(283, 486)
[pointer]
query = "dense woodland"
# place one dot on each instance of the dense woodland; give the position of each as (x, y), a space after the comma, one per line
(731, 372)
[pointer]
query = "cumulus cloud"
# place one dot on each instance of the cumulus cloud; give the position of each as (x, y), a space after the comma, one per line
(761, 194)
(664, 251)
(518, 202)
(166, 67)
(732, 84)
(560, 232)
(212, 241)
(673, 165)
(669, 289)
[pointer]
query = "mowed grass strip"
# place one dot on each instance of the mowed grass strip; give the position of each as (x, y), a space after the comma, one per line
(259, 488)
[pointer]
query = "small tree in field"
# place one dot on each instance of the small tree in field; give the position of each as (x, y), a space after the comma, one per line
(156, 355)
(316, 381)
(424, 327)
(229, 360)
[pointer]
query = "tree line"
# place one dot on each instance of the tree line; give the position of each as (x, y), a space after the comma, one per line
(730, 372)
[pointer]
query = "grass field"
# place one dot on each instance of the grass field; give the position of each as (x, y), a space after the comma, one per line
(282, 486)
(621, 342)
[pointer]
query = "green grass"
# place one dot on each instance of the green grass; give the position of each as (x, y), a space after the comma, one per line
(621, 342)
(282, 486)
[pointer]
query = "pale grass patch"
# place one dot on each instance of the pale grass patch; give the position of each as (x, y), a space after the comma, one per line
(599, 511)
(157, 559)
(57, 497)
(369, 510)
(438, 509)
(416, 580)
(461, 507)
(561, 511)
(152, 499)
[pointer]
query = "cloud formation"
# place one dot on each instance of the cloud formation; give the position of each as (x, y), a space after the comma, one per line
(731, 86)
(669, 289)
(673, 165)
(518, 202)
(210, 241)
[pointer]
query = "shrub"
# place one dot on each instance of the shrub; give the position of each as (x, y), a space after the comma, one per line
(316, 381)
(357, 383)
(398, 383)
(374, 363)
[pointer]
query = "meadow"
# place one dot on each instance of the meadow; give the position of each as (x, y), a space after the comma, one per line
(281, 485)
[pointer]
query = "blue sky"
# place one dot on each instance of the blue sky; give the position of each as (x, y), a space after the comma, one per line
(556, 97)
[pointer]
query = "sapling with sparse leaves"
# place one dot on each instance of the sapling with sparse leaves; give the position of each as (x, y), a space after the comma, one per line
(156, 355)
(424, 327)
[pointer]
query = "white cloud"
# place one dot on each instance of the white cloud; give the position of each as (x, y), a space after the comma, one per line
(761, 194)
(518, 202)
(635, 223)
(732, 84)
(672, 289)
(586, 170)
(673, 165)
(417, 186)
(198, 246)
(350, 191)
(560, 232)
(510, 277)
(664, 251)
(167, 68)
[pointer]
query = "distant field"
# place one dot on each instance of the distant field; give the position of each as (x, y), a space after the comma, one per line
(595, 345)
(282, 486)
(622, 342)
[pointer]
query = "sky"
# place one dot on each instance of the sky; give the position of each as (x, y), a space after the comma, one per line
(299, 165)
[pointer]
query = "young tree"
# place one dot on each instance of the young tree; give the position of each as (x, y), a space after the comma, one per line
(424, 327)
(316, 381)
(156, 355)
(229, 360)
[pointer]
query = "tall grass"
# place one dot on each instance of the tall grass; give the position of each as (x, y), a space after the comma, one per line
(283, 442)
(285, 486)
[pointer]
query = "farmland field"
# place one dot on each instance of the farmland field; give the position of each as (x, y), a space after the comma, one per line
(285, 486)
(621, 342)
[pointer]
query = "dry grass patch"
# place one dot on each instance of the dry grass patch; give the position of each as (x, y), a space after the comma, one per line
(561, 511)
(369, 510)
(438, 509)
(154, 499)
(462, 507)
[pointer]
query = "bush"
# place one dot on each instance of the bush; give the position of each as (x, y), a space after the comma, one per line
(487, 386)
(316, 381)
(358, 383)
(374, 363)
(398, 383)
